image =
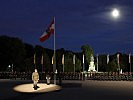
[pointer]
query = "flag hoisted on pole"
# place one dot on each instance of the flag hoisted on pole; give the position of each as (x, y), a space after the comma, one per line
(63, 61)
(107, 58)
(51, 30)
(54, 65)
(97, 62)
(74, 62)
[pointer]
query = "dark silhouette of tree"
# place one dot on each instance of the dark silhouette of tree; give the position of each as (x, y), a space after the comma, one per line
(21, 55)
(12, 51)
(28, 61)
(102, 62)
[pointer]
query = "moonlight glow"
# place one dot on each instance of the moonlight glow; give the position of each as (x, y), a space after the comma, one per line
(115, 13)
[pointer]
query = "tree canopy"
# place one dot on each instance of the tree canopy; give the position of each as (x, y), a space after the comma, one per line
(87, 51)
(13, 51)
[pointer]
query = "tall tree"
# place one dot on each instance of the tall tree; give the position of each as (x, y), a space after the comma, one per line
(102, 62)
(12, 51)
(28, 61)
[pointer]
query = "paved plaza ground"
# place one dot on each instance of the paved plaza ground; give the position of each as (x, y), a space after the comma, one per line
(72, 90)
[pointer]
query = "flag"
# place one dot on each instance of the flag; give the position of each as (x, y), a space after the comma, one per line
(63, 59)
(34, 58)
(74, 59)
(130, 58)
(107, 58)
(118, 58)
(48, 32)
(42, 60)
(83, 59)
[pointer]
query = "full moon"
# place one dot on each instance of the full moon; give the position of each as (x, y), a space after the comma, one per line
(115, 13)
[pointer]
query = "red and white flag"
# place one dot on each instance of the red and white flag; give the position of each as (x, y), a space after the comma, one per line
(50, 30)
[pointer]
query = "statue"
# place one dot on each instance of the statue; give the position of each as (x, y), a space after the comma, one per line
(91, 66)
(91, 58)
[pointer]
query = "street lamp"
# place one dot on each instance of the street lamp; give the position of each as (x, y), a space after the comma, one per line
(9, 66)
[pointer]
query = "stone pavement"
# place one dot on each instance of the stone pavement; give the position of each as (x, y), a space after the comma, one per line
(72, 90)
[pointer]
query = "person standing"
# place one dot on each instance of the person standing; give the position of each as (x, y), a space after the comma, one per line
(48, 79)
(35, 79)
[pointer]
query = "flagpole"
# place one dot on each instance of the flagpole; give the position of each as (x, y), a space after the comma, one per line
(35, 60)
(74, 68)
(118, 57)
(83, 63)
(130, 62)
(74, 63)
(63, 62)
(42, 63)
(51, 30)
(42, 67)
(12, 68)
(97, 62)
(54, 65)
(63, 67)
(107, 59)
(83, 68)
(130, 68)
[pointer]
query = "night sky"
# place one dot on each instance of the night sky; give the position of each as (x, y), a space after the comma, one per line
(78, 22)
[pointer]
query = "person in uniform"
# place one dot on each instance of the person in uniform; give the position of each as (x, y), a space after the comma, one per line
(35, 79)
(48, 79)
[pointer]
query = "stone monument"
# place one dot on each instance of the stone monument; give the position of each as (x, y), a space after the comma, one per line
(91, 66)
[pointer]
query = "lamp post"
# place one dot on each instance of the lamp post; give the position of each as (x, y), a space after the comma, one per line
(9, 67)
(12, 68)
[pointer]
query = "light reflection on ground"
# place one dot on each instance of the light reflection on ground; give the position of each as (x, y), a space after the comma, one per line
(28, 88)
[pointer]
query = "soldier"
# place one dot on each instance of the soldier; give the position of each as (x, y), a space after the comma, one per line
(48, 79)
(35, 78)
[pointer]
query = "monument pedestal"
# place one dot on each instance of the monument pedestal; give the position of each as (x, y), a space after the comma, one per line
(91, 66)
